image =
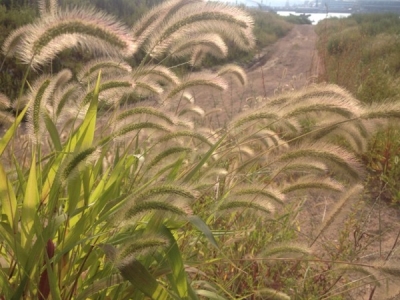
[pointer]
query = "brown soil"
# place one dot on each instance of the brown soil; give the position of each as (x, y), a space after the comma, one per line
(288, 64)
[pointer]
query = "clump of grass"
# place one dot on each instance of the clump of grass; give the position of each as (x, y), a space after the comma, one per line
(360, 53)
(140, 202)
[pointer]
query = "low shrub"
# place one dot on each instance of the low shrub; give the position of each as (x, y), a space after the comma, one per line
(383, 163)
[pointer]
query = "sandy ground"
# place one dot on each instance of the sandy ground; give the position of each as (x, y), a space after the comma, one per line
(292, 63)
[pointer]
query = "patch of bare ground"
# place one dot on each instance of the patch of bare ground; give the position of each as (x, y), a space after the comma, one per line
(288, 64)
(292, 63)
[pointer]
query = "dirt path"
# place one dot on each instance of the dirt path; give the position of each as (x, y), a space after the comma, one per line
(288, 64)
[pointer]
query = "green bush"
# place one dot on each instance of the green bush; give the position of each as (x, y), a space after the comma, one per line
(344, 41)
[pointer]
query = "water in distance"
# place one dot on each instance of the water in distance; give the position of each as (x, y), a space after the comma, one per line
(315, 17)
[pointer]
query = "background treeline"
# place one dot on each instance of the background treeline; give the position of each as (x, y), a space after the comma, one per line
(361, 53)
(269, 27)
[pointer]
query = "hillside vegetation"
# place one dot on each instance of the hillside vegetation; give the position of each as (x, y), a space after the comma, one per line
(361, 53)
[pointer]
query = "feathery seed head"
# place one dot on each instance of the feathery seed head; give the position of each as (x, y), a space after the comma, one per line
(79, 160)
(265, 192)
(157, 73)
(13, 41)
(197, 17)
(67, 94)
(156, 16)
(71, 28)
(311, 182)
(123, 131)
(148, 206)
(382, 111)
(140, 246)
(91, 69)
(6, 118)
(199, 79)
(38, 98)
(286, 248)
(234, 70)
(145, 110)
(251, 116)
(267, 293)
(115, 83)
(331, 155)
(192, 109)
(146, 86)
(4, 102)
(185, 133)
(166, 153)
(211, 43)
(176, 191)
(241, 205)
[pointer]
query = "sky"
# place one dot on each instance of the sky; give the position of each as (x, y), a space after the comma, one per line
(264, 2)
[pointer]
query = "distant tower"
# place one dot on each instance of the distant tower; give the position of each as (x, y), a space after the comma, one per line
(316, 4)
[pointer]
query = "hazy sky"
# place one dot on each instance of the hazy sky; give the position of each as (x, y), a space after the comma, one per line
(265, 2)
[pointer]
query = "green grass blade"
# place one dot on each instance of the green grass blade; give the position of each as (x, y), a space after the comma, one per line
(11, 131)
(141, 279)
(84, 135)
(89, 124)
(206, 157)
(178, 277)
(30, 204)
(8, 200)
(52, 130)
(197, 222)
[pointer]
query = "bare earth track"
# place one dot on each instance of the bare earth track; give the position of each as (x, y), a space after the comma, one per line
(287, 64)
